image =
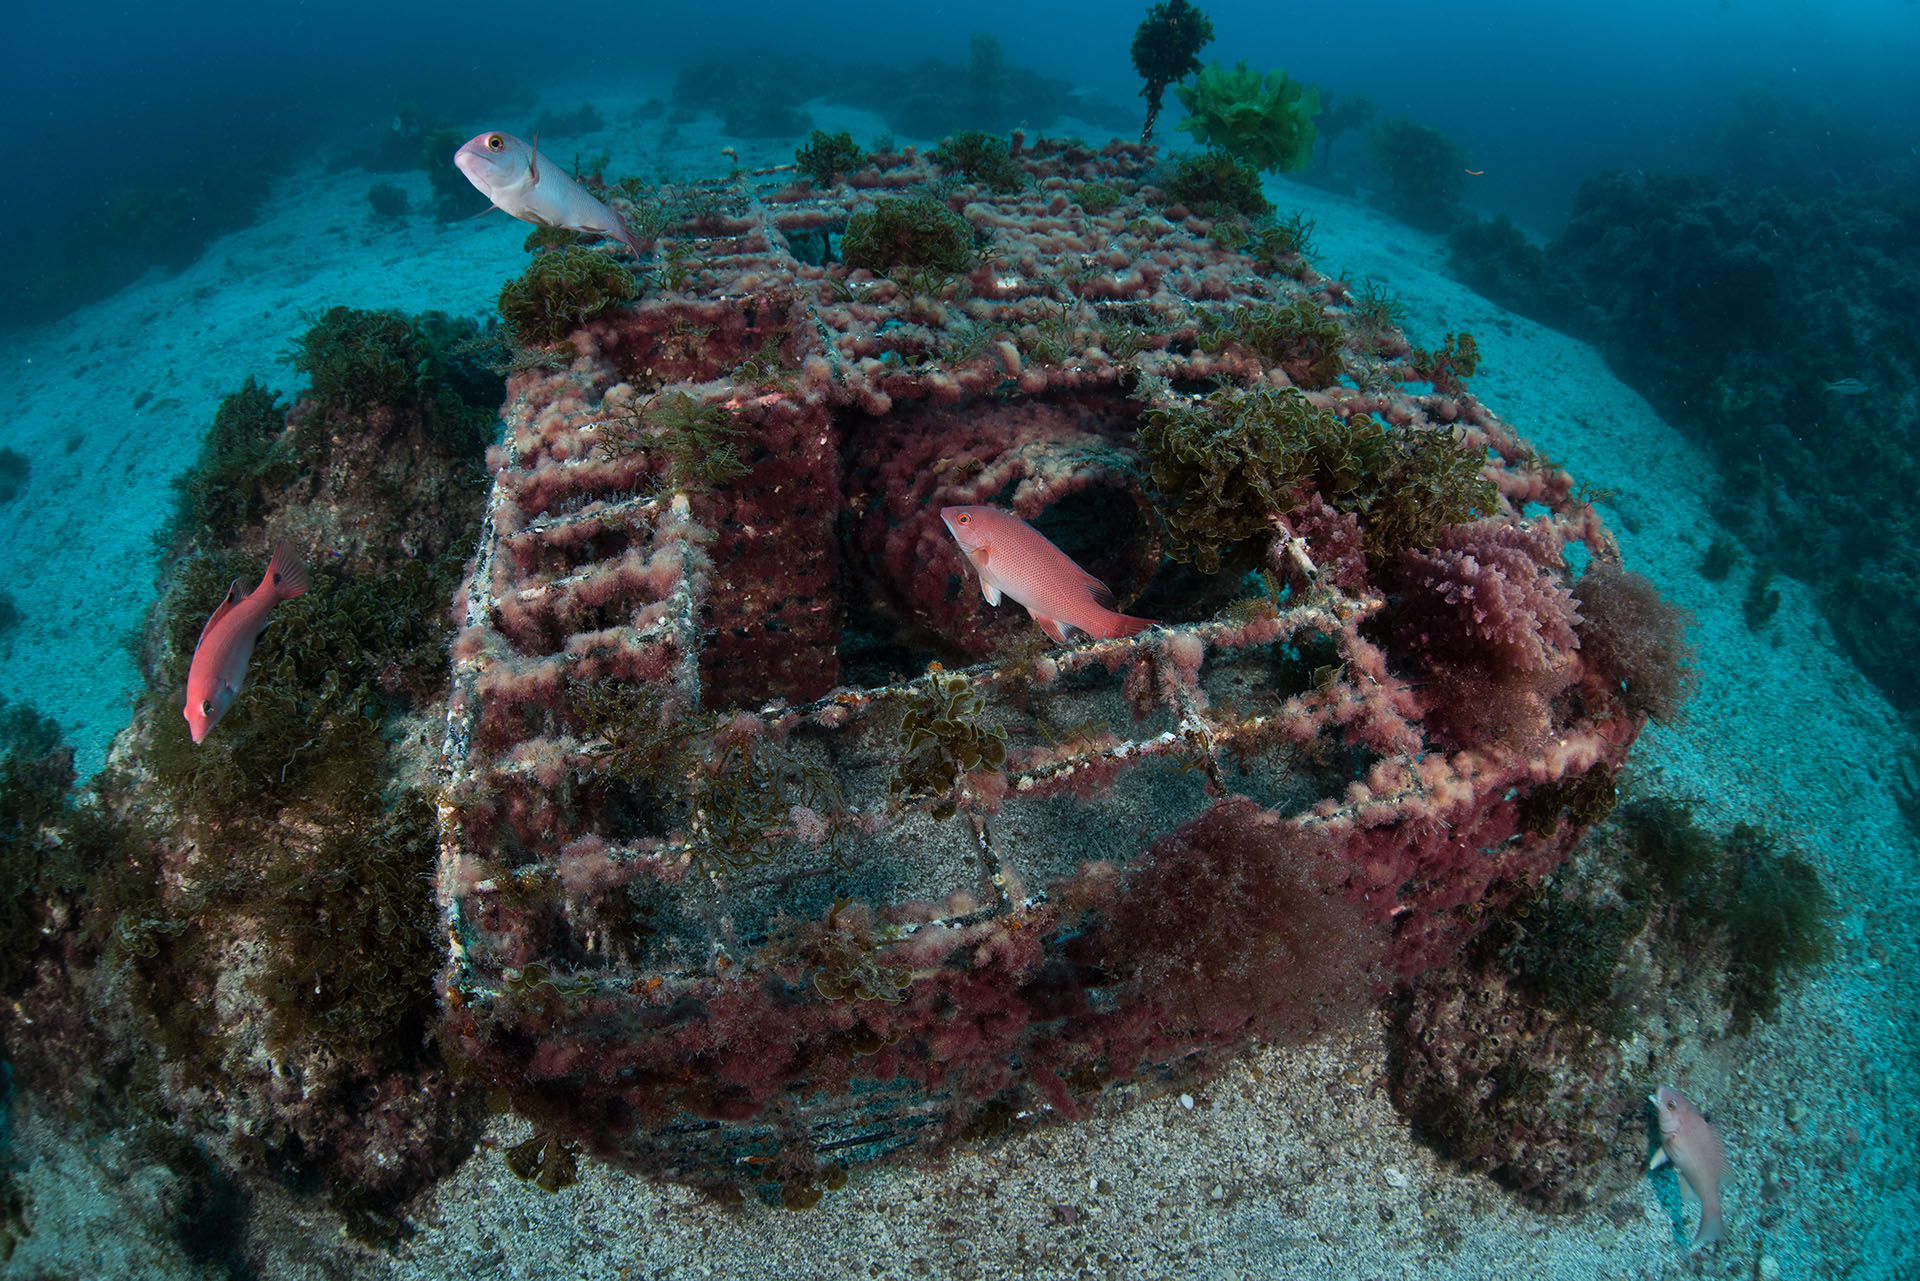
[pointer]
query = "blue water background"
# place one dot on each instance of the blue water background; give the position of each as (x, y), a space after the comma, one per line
(1541, 95)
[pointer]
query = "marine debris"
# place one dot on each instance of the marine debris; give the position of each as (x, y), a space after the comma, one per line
(769, 846)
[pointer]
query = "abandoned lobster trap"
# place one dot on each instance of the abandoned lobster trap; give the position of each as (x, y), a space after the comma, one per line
(769, 845)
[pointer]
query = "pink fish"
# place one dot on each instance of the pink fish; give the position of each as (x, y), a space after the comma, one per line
(1689, 1143)
(227, 641)
(520, 181)
(1012, 557)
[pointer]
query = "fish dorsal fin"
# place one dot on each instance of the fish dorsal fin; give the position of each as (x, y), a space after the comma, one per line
(1102, 594)
(235, 594)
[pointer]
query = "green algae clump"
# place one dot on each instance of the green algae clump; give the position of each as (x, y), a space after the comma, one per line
(1164, 50)
(1215, 185)
(1264, 120)
(982, 157)
(916, 231)
(562, 290)
(828, 155)
(1224, 465)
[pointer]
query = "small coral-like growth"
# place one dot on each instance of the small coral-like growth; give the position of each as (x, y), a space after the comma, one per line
(1761, 601)
(1638, 639)
(387, 201)
(1220, 463)
(942, 738)
(1497, 259)
(736, 797)
(1778, 920)
(545, 1160)
(1216, 185)
(916, 231)
(845, 952)
(1565, 949)
(1486, 615)
(563, 290)
(699, 442)
(982, 157)
(1264, 120)
(1449, 365)
(244, 459)
(1096, 198)
(1235, 923)
(1502, 1083)
(14, 467)
(1298, 335)
(1759, 907)
(1425, 173)
(366, 362)
(35, 773)
(1165, 48)
(827, 156)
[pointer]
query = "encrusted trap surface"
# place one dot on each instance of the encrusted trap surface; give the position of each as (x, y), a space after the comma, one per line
(736, 886)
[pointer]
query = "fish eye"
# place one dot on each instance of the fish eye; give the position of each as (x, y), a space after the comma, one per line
(963, 519)
(494, 142)
(206, 707)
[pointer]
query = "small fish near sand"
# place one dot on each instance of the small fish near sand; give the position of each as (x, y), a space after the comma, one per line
(519, 180)
(1693, 1149)
(1013, 558)
(226, 642)
(1846, 387)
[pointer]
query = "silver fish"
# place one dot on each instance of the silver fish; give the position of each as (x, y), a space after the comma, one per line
(1846, 387)
(518, 179)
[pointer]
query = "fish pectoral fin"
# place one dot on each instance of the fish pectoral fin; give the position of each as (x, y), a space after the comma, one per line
(977, 557)
(1058, 630)
(235, 594)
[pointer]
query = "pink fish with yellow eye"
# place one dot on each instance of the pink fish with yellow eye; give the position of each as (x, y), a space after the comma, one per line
(1689, 1143)
(519, 180)
(1014, 559)
(226, 642)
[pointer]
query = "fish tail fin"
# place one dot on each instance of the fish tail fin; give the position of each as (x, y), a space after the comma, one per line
(287, 572)
(1128, 625)
(626, 237)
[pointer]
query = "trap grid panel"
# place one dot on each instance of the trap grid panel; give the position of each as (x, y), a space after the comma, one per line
(639, 878)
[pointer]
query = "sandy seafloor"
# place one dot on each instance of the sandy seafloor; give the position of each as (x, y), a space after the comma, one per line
(1291, 1164)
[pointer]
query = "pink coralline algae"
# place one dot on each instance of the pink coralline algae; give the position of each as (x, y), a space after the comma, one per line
(769, 845)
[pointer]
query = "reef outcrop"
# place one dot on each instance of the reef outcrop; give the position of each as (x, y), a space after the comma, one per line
(769, 846)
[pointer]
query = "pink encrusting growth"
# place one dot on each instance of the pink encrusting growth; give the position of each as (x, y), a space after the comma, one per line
(721, 838)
